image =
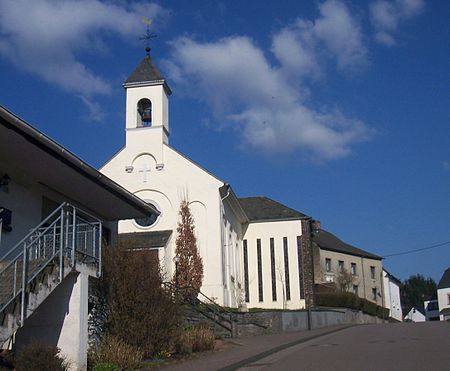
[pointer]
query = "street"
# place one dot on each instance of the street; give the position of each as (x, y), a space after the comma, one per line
(401, 346)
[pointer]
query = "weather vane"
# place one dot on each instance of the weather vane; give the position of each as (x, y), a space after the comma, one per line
(148, 35)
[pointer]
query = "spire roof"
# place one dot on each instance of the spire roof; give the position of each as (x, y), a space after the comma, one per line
(146, 73)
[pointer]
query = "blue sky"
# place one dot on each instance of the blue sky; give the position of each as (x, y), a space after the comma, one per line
(339, 109)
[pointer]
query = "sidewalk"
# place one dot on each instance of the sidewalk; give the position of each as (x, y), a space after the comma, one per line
(247, 350)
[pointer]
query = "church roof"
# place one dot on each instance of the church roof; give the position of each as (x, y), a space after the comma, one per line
(265, 209)
(146, 73)
(145, 240)
(445, 280)
(328, 241)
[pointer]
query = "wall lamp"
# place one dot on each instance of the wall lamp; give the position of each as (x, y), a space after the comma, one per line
(4, 183)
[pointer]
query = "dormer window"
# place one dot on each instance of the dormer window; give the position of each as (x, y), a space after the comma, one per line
(144, 108)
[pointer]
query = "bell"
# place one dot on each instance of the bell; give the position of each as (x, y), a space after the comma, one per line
(145, 111)
(146, 115)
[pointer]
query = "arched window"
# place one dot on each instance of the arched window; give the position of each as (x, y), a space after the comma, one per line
(144, 108)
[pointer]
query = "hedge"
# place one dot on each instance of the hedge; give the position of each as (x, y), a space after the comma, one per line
(352, 301)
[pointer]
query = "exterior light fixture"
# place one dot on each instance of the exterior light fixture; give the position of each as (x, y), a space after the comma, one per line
(4, 183)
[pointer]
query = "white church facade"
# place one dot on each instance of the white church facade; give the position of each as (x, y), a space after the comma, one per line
(255, 250)
(236, 252)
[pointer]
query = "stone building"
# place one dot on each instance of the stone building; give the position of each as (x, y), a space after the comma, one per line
(335, 260)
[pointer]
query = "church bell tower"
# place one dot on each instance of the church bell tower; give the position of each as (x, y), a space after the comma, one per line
(147, 109)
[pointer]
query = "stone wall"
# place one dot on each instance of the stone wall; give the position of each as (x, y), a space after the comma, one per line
(308, 263)
(271, 322)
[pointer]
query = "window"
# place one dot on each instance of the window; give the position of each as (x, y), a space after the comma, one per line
(355, 289)
(353, 268)
(372, 272)
(144, 108)
(341, 266)
(328, 264)
(149, 220)
(272, 267)
(247, 293)
(448, 299)
(374, 293)
(260, 275)
(286, 268)
(300, 267)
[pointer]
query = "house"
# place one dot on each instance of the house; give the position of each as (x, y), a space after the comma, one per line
(336, 262)
(431, 308)
(56, 212)
(391, 289)
(255, 251)
(443, 293)
(415, 315)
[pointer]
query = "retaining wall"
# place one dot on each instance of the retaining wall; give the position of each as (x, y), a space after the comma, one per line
(270, 322)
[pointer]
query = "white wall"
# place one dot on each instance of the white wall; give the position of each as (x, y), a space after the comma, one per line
(167, 186)
(392, 297)
(25, 202)
(232, 257)
(415, 316)
(275, 230)
(62, 320)
(444, 300)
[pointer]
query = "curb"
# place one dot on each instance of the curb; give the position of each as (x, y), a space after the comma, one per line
(257, 357)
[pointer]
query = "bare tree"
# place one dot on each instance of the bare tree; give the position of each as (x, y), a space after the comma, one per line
(344, 280)
(281, 278)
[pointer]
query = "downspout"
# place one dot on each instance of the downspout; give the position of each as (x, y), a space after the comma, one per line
(363, 277)
(382, 291)
(224, 257)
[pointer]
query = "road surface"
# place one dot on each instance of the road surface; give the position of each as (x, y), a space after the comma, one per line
(401, 346)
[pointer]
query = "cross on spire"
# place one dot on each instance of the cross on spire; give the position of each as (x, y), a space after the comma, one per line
(148, 35)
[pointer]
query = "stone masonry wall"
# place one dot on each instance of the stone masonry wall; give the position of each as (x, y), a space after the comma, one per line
(308, 263)
(270, 322)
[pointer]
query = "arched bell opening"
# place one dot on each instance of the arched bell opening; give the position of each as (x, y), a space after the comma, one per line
(144, 117)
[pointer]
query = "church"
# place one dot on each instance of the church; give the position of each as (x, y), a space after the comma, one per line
(256, 252)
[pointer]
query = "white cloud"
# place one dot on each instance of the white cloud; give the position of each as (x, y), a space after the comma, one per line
(234, 76)
(44, 37)
(303, 46)
(341, 33)
(387, 15)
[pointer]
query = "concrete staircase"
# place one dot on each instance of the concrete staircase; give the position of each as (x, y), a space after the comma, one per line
(31, 270)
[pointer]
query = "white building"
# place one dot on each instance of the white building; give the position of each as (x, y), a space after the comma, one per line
(250, 247)
(443, 294)
(55, 213)
(391, 290)
(254, 249)
(415, 315)
(431, 308)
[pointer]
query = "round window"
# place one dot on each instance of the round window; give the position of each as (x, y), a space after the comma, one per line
(148, 221)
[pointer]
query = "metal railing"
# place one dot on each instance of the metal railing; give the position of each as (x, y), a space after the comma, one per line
(66, 237)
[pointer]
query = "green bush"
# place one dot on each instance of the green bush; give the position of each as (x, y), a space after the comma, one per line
(352, 301)
(106, 367)
(38, 356)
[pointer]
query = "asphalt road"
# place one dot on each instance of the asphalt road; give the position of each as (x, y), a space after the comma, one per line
(402, 346)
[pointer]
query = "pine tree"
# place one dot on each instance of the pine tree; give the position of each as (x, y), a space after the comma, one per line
(189, 271)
